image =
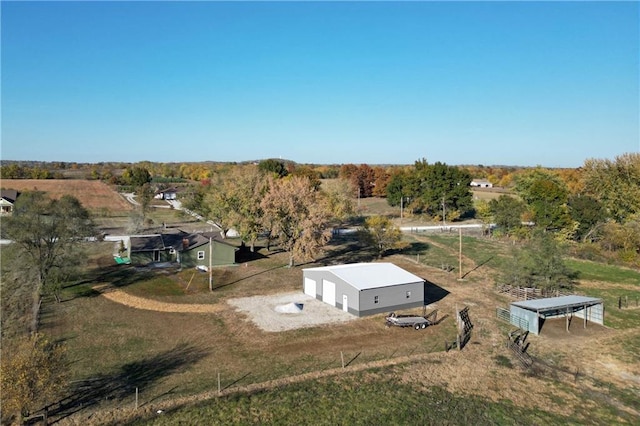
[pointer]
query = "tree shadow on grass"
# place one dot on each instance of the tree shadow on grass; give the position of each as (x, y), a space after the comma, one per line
(116, 275)
(122, 384)
(416, 248)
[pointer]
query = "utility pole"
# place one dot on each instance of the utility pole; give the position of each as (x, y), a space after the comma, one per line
(401, 207)
(210, 264)
(444, 220)
(460, 255)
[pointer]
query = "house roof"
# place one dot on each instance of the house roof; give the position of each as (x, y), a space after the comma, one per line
(146, 242)
(179, 240)
(364, 276)
(554, 303)
(9, 194)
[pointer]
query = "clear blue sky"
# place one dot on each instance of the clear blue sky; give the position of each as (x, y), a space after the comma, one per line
(510, 83)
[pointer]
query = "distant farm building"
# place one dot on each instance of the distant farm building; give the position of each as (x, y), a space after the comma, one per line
(365, 288)
(8, 198)
(481, 183)
(530, 315)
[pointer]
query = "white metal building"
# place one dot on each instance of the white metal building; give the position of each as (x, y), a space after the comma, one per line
(365, 288)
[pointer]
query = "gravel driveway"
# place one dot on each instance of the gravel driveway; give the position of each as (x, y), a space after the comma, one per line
(263, 311)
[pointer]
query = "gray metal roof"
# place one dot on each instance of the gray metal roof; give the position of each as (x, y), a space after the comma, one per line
(364, 276)
(553, 303)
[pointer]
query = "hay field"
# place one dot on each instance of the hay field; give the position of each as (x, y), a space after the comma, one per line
(94, 195)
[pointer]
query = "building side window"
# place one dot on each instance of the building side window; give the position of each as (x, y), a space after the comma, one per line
(376, 299)
(408, 295)
(200, 255)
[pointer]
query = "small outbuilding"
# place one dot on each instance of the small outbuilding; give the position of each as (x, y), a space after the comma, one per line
(531, 314)
(365, 288)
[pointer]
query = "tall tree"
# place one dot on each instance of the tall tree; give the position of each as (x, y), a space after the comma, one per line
(436, 189)
(546, 195)
(539, 264)
(242, 192)
(380, 232)
(616, 184)
(47, 232)
(507, 213)
(295, 215)
(277, 167)
(589, 213)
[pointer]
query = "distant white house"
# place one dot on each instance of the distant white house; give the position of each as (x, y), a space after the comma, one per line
(481, 183)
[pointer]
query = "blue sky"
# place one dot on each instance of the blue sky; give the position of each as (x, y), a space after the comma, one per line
(492, 83)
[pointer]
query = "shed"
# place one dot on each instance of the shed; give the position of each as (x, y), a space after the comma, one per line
(365, 288)
(531, 314)
(481, 183)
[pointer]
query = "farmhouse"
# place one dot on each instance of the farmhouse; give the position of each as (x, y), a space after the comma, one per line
(189, 250)
(481, 183)
(531, 314)
(166, 194)
(365, 288)
(7, 200)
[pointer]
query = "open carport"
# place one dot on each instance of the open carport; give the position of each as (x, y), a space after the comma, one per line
(531, 314)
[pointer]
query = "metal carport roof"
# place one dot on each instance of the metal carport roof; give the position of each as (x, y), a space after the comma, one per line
(557, 303)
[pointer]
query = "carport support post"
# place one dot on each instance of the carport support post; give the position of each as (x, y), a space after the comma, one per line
(567, 317)
(585, 315)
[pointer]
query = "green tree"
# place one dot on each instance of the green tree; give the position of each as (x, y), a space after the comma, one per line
(539, 264)
(507, 213)
(589, 213)
(32, 373)
(381, 233)
(295, 214)
(436, 189)
(546, 195)
(48, 233)
(136, 176)
(277, 167)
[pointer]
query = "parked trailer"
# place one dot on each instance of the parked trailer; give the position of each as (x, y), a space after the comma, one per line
(416, 321)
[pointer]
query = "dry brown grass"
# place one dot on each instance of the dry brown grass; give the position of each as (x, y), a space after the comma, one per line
(93, 194)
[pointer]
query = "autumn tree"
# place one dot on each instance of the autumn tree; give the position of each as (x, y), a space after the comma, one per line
(296, 216)
(234, 202)
(32, 373)
(47, 232)
(381, 233)
(339, 201)
(615, 184)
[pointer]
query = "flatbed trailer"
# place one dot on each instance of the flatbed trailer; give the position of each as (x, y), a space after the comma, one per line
(419, 322)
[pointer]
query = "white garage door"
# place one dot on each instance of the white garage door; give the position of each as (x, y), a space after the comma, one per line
(329, 292)
(310, 287)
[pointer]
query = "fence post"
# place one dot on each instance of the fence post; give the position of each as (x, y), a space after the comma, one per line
(458, 342)
(219, 389)
(342, 358)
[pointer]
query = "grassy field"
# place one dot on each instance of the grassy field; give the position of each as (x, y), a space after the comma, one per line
(177, 361)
